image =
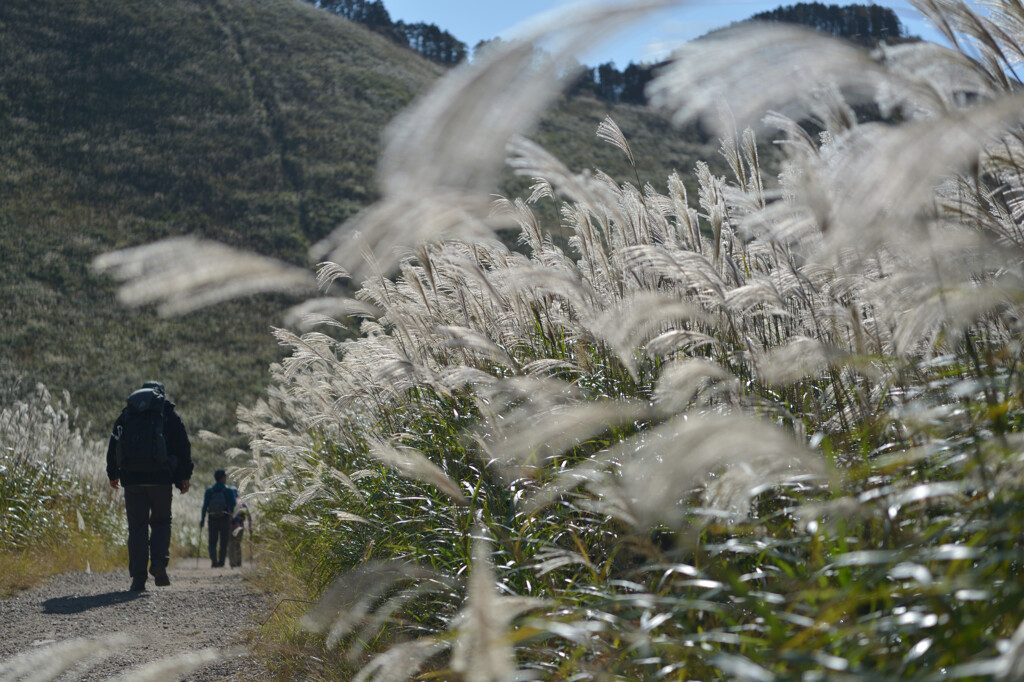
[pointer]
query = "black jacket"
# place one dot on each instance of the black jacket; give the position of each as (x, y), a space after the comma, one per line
(178, 447)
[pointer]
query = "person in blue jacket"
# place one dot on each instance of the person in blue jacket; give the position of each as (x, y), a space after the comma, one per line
(219, 504)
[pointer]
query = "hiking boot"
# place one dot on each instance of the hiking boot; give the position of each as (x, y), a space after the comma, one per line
(160, 574)
(138, 585)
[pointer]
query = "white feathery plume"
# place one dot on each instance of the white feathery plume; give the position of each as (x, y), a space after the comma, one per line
(609, 131)
(760, 291)
(711, 198)
(528, 437)
(553, 558)
(540, 189)
(593, 473)
(309, 321)
(454, 137)
(352, 596)
(759, 67)
(183, 274)
(459, 376)
(953, 307)
(688, 220)
(1009, 18)
(946, 77)
(401, 661)
(686, 340)
(313, 491)
(878, 176)
(49, 662)
(783, 223)
(752, 158)
(328, 273)
(483, 650)
(310, 349)
(411, 463)
(398, 374)
(327, 311)
(800, 357)
(985, 40)
(349, 517)
(390, 227)
(446, 150)
(170, 667)
(538, 280)
(530, 232)
(545, 366)
(468, 267)
(542, 392)
(659, 467)
(461, 337)
(690, 269)
(940, 13)
(529, 159)
(626, 326)
(681, 380)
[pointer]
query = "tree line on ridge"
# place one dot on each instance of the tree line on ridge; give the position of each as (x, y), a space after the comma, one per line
(864, 24)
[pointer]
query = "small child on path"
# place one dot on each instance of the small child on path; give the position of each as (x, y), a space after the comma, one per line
(238, 522)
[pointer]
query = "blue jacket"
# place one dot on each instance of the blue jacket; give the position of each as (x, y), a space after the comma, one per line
(229, 493)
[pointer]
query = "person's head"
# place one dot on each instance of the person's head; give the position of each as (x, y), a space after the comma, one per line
(220, 475)
(156, 386)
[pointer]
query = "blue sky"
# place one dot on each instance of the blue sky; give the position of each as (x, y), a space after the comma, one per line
(473, 20)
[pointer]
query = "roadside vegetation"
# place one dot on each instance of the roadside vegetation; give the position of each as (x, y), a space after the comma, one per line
(58, 512)
(767, 429)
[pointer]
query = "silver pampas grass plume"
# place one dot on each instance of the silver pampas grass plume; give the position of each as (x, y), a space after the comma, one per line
(183, 274)
(443, 155)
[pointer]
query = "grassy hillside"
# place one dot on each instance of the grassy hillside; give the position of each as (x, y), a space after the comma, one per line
(122, 122)
(255, 123)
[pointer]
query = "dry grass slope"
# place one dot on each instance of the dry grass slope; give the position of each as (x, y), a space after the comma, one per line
(254, 123)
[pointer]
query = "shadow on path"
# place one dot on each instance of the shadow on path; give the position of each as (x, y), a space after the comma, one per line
(91, 601)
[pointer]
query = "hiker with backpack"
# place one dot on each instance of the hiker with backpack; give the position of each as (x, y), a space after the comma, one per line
(148, 452)
(219, 503)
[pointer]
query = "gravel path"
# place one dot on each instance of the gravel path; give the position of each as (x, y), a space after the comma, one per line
(203, 607)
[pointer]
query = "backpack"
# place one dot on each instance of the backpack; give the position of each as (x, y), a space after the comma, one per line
(218, 504)
(141, 446)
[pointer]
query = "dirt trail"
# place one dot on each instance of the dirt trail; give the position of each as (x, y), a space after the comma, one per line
(203, 607)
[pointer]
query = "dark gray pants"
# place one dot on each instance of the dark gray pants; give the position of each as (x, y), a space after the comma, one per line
(220, 531)
(148, 508)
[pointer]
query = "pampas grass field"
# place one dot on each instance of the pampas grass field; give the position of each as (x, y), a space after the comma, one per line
(58, 511)
(769, 429)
